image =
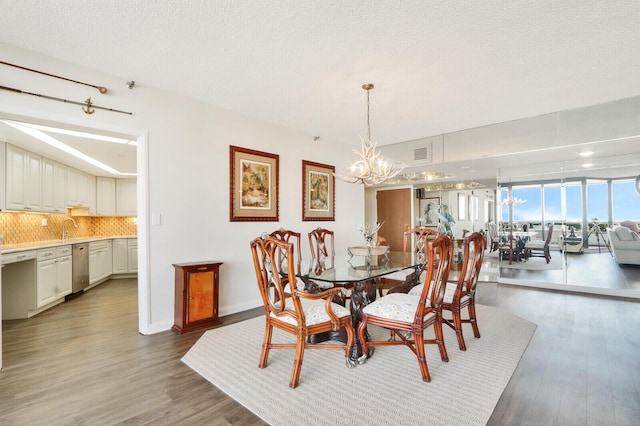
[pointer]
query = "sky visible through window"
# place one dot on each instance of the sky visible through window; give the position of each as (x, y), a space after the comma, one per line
(626, 202)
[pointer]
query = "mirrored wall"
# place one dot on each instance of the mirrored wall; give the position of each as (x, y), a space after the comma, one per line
(559, 229)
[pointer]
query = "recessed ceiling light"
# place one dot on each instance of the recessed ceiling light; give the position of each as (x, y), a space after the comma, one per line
(587, 165)
(586, 154)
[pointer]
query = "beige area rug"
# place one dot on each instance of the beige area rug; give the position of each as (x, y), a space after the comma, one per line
(531, 264)
(387, 389)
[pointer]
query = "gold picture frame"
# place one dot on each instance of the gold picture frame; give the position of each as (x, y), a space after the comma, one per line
(318, 191)
(253, 185)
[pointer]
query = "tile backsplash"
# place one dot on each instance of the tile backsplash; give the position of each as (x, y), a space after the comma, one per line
(20, 228)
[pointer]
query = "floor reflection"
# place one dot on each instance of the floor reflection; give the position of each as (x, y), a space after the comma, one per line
(592, 272)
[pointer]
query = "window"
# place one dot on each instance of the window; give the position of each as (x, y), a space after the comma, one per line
(573, 196)
(626, 202)
(553, 206)
(531, 210)
(597, 201)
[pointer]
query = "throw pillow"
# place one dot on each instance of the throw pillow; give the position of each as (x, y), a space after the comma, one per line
(631, 225)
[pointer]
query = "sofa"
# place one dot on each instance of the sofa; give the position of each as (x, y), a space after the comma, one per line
(625, 244)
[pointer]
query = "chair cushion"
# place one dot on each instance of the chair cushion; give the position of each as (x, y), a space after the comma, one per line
(449, 292)
(399, 275)
(314, 311)
(395, 306)
(623, 233)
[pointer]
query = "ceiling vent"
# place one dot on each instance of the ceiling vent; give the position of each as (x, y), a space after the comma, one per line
(420, 154)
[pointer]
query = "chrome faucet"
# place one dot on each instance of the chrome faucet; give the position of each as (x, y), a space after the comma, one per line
(64, 231)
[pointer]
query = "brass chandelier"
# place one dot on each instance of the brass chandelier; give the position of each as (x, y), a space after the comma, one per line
(370, 168)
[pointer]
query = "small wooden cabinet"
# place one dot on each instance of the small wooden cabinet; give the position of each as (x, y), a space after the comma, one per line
(196, 297)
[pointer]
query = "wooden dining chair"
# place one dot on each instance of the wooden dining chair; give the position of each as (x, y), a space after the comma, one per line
(414, 241)
(321, 243)
(462, 294)
(537, 249)
(493, 236)
(295, 312)
(408, 315)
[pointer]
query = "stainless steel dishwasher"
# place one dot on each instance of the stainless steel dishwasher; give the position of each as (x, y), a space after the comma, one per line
(80, 267)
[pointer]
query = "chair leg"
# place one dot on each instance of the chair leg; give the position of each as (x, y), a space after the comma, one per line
(422, 359)
(266, 345)
(472, 318)
(437, 328)
(457, 323)
(297, 362)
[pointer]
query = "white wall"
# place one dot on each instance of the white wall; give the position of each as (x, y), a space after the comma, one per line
(183, 166)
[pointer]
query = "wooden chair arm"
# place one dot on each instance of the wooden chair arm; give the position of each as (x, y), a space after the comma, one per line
(327, 295)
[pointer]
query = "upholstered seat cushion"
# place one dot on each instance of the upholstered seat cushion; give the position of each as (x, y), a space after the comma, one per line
(625, 234)
(449, 292)
(399, 275)
(395, 306)
(314, 311)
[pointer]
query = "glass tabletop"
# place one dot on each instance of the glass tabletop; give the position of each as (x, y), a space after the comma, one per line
(346, 268)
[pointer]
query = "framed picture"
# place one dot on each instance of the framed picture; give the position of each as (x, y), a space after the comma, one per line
(253, 185)
(429, 208)
(318, 191)
(473, 207)
(462, 206)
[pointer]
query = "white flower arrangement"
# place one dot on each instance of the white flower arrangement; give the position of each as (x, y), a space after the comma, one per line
(369, 232)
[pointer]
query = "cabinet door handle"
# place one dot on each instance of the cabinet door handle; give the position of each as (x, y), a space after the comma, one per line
(190, 298)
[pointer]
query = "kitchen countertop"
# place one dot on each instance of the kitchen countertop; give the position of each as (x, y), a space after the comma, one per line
(12, 248)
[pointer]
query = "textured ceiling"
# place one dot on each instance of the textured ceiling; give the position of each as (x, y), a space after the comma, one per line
(438, 66)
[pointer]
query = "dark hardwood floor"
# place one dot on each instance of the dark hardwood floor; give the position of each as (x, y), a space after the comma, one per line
(84, 363)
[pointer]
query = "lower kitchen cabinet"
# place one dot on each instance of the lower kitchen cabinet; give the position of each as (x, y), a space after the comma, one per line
(53, 275)
(196, 295)
(125, 255)
(100, 261)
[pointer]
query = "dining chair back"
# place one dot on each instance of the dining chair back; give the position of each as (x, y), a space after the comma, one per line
(408, 315)
(493, 236)
(293, 311)
(321, 243)
(533, 249)
(414, 241)
(462, 294)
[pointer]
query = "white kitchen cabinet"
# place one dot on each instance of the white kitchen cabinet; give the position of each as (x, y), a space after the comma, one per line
(105, 196)
(126, 197)
(120, 256)
(80, 189)
(100, 261)
(3, 182)
(54, 182)
(125, 255)
(23, 179)
(53, 274)
(132, 254)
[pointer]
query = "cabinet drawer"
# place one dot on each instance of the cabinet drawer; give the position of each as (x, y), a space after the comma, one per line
(18, 256)
(62, 251)
(48, 253)
(98, 245)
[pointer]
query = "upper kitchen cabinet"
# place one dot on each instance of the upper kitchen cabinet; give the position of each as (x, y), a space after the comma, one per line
(23, 179)
(81, 190)
(105, 196)
(3, 181)
(54, 183)
(126, 197)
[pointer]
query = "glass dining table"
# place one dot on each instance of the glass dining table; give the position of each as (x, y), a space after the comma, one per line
(360, 274)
